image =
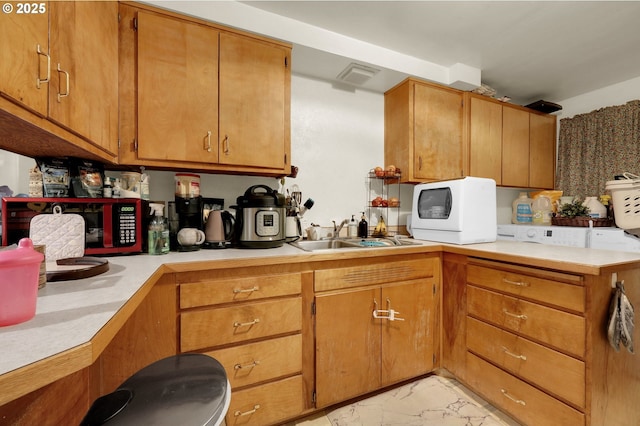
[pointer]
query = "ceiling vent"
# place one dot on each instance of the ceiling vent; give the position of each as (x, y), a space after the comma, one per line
(357, 74)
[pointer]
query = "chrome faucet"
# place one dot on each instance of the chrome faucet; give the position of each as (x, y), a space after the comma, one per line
(338, 228)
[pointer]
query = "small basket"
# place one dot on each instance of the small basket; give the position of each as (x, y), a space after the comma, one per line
(625, 197)
(581, 221)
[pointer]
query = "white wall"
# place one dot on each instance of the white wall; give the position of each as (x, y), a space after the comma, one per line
(617, 94)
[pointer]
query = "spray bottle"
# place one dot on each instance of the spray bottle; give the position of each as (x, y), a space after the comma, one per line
(158, 231)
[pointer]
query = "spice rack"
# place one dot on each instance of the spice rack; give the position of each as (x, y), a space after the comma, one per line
(387, 188)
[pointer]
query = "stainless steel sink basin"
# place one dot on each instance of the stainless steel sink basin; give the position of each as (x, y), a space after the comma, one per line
(355, 243)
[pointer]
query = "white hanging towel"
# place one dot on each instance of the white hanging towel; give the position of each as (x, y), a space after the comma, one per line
(621, 320)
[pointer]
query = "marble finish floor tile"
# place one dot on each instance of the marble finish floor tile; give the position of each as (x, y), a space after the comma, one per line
(433, 400)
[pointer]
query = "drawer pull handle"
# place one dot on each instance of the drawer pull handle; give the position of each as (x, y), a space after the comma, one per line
(246, 324)
(246, 413)
(248, 365)
(519, 316)
(517, 401)
(246, 290)
(518, 283)
(508, 352)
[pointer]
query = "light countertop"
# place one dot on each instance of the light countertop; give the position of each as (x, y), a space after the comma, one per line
(70, 313)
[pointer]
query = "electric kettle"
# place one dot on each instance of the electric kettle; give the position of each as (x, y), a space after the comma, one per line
(219, 229)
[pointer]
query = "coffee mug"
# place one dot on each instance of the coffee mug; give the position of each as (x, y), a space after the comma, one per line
(190, 237)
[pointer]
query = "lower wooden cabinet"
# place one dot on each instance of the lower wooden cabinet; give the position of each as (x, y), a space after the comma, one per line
(268, 404)
(375, 335)
(524, 402)
(251, 322)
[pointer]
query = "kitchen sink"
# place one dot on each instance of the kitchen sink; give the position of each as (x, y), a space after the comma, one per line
(354, 243)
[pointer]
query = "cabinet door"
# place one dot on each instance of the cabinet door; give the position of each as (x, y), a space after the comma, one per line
(515, 147)
(347, 345)
(485, 139)
(408, 344)
(83, 93)
(254, 82)
(24, 71)
(542, 164)
(177, 90)
(438, 150)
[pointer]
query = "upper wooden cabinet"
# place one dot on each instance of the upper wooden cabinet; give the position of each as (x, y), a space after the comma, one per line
(432, 132)
(208, 98)
(83, 93)
(254, 102)
(177, 90)
(513, 145)
(423, 136)
(61, 66)
(24, 59)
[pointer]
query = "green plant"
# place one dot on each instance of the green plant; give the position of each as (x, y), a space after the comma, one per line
(575, 209)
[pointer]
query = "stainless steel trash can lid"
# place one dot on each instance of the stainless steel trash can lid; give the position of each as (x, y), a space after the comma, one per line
(186, 389)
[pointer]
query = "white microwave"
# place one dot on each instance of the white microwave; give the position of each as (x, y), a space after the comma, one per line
(458, 211)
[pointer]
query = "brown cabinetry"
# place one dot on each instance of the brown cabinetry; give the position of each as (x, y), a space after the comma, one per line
(375, 326)
(195, 95)
(531, 325)
(179, 122)
(245, 321)
(61, 64)
(434, 132)
(423, 135)
(510, 144)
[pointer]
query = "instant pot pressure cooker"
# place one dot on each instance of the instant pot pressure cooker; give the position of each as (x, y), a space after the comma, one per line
(260, 218)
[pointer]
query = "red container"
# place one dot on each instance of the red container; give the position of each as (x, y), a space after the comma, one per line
(19, 271)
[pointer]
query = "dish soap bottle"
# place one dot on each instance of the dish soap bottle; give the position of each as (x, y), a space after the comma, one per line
(158, 238)
(522, 211)
(353, 228)
(363, 227)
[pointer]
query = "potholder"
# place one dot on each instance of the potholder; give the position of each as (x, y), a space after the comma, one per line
(62, 234)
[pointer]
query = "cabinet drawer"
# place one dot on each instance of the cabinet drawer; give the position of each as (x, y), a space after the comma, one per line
(221, 326)
(557, 373)
(258, 362)
(267, 404)
(526, 403)
(562, 330)
(333, 279)
(238, 289)
(561, 294)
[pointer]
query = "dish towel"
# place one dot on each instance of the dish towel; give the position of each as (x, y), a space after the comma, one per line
(620, 328)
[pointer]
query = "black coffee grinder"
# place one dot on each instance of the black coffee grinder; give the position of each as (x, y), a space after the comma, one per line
(189, 210)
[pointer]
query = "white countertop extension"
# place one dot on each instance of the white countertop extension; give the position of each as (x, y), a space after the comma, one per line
(70, 313)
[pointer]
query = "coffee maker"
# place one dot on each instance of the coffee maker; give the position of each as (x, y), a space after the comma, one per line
(189, 212)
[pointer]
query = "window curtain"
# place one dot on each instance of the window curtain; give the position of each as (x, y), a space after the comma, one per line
(594, 147)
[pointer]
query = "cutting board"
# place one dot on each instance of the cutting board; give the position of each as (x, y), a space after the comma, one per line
(62, 234)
